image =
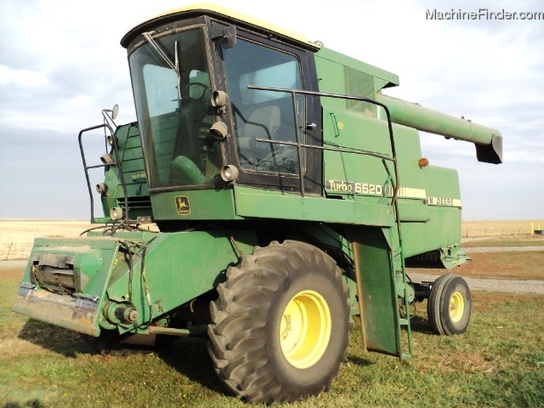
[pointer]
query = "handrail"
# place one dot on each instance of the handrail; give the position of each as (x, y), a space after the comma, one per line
(117, 162)
(294, 93)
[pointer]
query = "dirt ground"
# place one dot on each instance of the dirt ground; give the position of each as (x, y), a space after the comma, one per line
(492, 285)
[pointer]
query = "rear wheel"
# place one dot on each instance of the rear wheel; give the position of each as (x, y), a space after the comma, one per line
(449, 305)
(280, 324)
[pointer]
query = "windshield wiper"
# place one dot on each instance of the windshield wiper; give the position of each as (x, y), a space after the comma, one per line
(173, 65)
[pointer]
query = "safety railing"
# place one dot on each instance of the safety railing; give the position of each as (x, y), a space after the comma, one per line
(294, 92)
(105, 163)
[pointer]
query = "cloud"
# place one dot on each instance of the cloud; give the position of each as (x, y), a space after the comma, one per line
(21, 78)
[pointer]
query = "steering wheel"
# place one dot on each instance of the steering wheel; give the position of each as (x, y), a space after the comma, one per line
(206, 91)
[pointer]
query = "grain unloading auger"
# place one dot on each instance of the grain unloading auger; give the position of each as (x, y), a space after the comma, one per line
(488, 142)
(289, 195)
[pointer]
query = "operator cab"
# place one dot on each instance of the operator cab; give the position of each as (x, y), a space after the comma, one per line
(179, 60)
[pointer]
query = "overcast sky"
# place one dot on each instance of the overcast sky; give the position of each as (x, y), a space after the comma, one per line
(61, 63)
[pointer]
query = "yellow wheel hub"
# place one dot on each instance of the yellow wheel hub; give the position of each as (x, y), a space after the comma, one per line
(457, 307)
(305, 329)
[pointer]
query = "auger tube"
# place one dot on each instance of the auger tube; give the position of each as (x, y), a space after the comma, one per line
(488, 141)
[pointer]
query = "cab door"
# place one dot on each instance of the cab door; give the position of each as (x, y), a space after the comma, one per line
(267, 125)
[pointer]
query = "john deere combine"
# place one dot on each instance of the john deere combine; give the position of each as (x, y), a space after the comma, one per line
(289, 193)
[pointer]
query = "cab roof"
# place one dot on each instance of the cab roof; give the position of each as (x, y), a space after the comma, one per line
(222, 13)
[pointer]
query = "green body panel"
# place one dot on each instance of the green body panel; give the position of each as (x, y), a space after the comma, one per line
(328, 60)
(133, 172)
(102, 270)
(341, 74)
(443, 227)
(176, 268)
(378, 297)
(429, 202)
(194, 205)
(257, 203)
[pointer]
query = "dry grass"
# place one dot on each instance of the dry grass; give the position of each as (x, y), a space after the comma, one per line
(17, 236)
(472, 229)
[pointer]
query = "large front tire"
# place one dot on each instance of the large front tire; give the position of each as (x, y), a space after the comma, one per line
(280, 325)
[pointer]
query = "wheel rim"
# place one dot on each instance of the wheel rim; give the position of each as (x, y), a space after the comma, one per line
(457, 307)
(305, 329)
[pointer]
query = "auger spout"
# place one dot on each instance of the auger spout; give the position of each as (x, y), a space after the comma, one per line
(488, 141)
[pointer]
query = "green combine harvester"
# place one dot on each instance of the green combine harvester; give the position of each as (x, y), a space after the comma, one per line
(288, 193)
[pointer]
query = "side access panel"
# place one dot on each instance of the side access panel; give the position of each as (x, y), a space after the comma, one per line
(376, 292)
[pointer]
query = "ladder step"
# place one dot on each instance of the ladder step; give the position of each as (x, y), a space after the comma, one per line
(405, 356)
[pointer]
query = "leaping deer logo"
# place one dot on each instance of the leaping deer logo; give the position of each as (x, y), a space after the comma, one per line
(182, 204)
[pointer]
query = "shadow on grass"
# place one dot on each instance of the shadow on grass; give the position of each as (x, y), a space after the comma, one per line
(421, 325)
(189, 356)
(28, 404)
(54, 338)
(356, 360)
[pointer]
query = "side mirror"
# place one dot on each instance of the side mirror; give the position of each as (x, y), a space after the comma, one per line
(110, 115)
(115, 111)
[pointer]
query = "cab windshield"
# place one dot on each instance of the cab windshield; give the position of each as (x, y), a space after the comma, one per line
(171, 82)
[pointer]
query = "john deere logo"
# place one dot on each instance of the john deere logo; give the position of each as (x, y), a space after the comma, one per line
(182, 204)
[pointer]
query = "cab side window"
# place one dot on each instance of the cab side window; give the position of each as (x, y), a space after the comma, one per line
(261, 116)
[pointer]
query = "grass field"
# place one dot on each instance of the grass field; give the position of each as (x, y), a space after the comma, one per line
(499, 362)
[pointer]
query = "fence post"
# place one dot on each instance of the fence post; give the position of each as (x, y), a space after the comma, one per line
(9, 250)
